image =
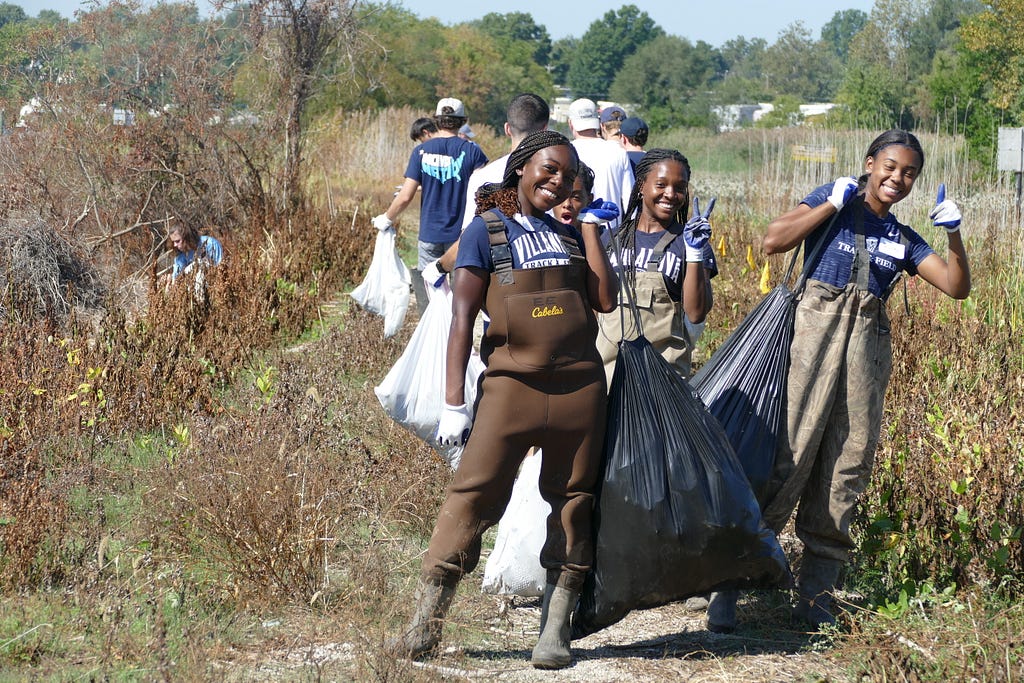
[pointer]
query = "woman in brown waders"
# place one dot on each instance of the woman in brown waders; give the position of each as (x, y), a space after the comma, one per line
(540, 282)
(841, 355)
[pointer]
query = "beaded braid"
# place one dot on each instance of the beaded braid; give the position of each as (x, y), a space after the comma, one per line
(626, 234)
(506, 195)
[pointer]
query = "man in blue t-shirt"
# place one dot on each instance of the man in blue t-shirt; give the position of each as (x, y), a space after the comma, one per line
(441, 166)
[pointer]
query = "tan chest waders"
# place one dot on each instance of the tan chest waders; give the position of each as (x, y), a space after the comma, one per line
(840, 362)
(661, 318)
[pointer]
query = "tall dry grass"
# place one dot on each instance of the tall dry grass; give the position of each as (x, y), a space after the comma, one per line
(189, 472)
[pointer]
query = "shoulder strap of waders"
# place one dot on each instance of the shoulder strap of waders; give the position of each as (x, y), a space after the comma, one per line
(501, 255)
(812, 257)
(860, 272)
(671, 233)
(905, 243)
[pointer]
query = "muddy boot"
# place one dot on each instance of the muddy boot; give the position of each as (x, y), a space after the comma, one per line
(552, 650)
(722, 611)
(423, 633)
(818, 577)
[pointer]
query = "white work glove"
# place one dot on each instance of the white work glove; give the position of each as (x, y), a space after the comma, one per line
(382, 222)
(433, 275)
(599, 212)
(842, 190)
(453, 430)
(697, 231)
(946, 213)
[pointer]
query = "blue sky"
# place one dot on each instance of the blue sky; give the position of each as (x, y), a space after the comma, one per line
(714, 21)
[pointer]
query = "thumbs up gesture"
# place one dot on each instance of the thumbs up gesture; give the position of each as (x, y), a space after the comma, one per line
(946, 213)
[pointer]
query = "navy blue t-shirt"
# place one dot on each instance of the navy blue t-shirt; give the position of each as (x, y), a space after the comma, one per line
(882, 236)
(442, 166)
(673, 262)
(532, 241)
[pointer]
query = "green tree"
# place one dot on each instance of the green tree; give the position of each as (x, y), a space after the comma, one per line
(399, 67)
(485, 75)
(667, 73)
(744, 80)
(517, 26)
(798, 65)
(841, 29)
(11, 14)
(996, 37)
(562, 51)
(603, 49)
(785, 112)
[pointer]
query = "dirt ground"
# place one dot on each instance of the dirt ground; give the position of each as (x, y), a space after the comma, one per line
(490, 638)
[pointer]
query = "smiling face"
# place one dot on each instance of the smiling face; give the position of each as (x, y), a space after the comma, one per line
(568, 211)
(664, 191)
(546, 179)
(891, 175)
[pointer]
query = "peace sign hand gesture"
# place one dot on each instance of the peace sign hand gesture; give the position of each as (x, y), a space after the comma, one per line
(697, 231)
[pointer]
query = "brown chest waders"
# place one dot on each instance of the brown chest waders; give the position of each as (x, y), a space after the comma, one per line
(840, 362)
(543, 386)
(661, 318)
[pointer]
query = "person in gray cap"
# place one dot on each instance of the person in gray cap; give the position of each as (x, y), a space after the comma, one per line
(613, 176)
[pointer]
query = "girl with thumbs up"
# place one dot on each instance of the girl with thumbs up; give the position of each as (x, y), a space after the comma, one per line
(841, 357)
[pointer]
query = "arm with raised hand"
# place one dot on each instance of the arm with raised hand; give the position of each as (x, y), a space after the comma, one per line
(951, 275)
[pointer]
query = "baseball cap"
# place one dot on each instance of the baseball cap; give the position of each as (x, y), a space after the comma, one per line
(467, 131)
(455, 105)
(583, 114)
(632, 126)
(613, 113)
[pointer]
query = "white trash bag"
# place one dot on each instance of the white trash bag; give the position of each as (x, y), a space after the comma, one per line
(412, 392)
(385, 290)
(513, 567)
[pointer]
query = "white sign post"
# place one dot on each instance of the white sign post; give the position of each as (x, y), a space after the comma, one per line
(1011, 156)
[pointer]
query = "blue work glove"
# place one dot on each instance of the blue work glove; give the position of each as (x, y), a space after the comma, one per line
(946, 213)
(599, 211)
(842, 190)
(697, 231)
(456, 421)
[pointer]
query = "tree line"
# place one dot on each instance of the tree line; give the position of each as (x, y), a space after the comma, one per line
(947, 65)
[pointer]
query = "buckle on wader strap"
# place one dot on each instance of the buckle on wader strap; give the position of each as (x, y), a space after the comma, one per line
(501, 255)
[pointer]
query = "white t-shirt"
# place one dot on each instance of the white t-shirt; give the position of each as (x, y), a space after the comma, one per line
(613, 175)
(493, 172)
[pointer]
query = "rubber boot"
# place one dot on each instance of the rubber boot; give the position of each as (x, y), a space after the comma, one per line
(423, 633)
(818, 577)
(552, 650)
(722, 611)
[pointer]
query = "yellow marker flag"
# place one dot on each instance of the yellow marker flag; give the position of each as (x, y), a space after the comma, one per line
(750, 259)
(766, 276)
(721, 247)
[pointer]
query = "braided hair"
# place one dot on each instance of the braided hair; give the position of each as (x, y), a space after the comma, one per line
(505, 196)
(626, 234)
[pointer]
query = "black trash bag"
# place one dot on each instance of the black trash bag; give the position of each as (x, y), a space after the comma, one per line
(743, 384)
(675, 516)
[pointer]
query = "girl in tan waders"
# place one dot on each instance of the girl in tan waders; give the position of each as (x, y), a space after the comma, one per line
(540, 282)
(841, 355)
(668, 276)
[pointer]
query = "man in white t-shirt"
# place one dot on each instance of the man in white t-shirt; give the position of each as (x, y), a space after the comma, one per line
(613, 175)
(527, 113)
